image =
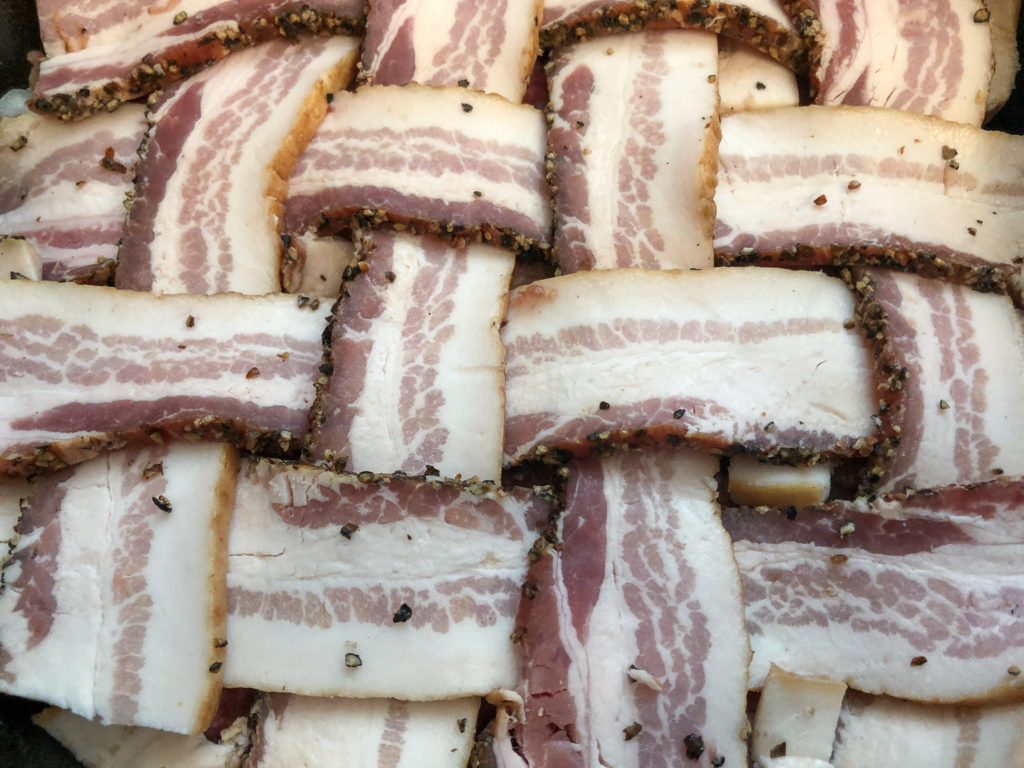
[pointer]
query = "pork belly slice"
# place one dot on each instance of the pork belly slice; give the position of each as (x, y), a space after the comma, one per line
(104, 53)
(486, 46)
(962, 415)
(796, 717)
(446, 159)
(749, 79)
(340, 586)
(633, 139)
(361, 733)
(847, 184)
(211, 186)
(114, 601)
(749, 358)
(631, 630)
(919, 599)
(417, 362)
(754, 483)
(86, 368)
(63, 188)
(878, 730)
(315, 266)
(931, 61)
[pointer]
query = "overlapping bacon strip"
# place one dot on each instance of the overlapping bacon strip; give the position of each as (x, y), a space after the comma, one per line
(85, 368)
(414, 342)
(633, 136)
(333, 579)
(206, 212)
(767, 361)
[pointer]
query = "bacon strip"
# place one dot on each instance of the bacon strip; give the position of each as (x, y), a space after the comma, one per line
(633, 647)
(487, 46)
(447, 159)
(415, 341)
(749, 79)
(119, 577)
(725, 358)
(336, 579)
(75, 379)
(206, 213)
(844, 184)
(63, 188)
(935, 61)
(633, 138)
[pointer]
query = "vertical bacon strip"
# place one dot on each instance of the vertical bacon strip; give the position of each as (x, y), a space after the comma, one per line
(633, 138)
(488, 45)
(206, 213)
(417, 362)
(633, 646)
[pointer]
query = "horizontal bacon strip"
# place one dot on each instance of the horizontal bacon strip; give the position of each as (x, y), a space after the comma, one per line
(633, 647)
(75, 378)
(337, 578)
(117, 578)
(819, 185)
(63, 188)
(485, 46)
(414, 341)
(211, 185)
(752, 358)
(633, 137)
(446, 159)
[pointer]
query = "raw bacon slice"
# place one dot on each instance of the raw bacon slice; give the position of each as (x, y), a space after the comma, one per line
(104, 52)
(796, 718)
(417, 362)
(930, 60)
(877, 730)
(749, 79)
(361, 733)
(633, 139)
(118, 580)
(846, 184)
(316, 266)
(632, 632)
(919, 599)
(374, 587)
(727, 358)
(76, 378)
(206, 213)
(63, 188)
(451, 160)
(962, 415)
(486, 46)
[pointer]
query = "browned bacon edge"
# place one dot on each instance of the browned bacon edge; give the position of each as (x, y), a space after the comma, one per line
(727, 19)
(184, 60)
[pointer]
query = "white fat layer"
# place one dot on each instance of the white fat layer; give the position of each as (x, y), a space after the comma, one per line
(120, 746)
(749, 79)
(812, 380)
(754, 483)
(931, 203)
(11, 494)
(343, 733)
(322, 266)
(1003, 23)
(883, 731)
(470, 370)
(21, 256)
(800, 712)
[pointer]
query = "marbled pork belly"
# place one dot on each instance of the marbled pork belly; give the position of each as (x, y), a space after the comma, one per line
(417, 365)
(920, 599)
(114, 601)
(103, 52)
(846, 184)
(930, 59)
(633, 140)
(374, 587)
(878, 730)
(631, 629)
(362, 733)
(447, 159)
(485, 46)
(961, 416)
(63, 187)
(211, 185)
(766, 361)
(85, 368)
